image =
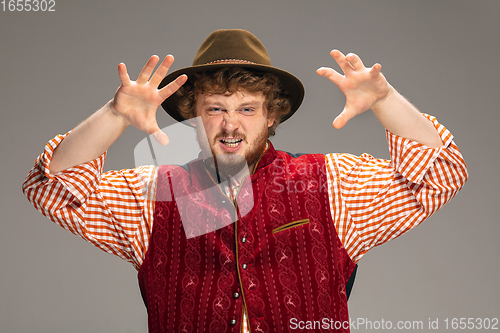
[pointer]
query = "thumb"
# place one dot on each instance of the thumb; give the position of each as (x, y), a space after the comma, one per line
(342, 119)
(160, 136)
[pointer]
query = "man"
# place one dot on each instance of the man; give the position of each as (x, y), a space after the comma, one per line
(292, 230)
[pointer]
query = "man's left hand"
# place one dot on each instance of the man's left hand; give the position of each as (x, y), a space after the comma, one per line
(363, 87)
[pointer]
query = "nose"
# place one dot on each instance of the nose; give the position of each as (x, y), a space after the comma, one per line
(230, 122)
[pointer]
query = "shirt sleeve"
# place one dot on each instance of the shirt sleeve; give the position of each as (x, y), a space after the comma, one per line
(374, 200)
(112, 210)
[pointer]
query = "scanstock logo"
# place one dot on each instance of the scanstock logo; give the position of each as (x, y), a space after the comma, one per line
(202, 195)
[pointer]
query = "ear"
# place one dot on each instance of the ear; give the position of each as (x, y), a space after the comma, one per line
(192, 121)
(270, 120)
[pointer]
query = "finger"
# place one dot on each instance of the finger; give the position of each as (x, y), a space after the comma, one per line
(341, 60)
(375, 70)
(355, 61)
(172, 87)
(162, 71)
(155, 131)
(147, 70)
(342, 118)
(330, 74)
(161, 137)
(123, 75)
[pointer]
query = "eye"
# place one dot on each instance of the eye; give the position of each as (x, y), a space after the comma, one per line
(247, 110)
(214, 110)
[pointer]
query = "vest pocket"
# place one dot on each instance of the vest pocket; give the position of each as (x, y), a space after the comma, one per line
(290, 225)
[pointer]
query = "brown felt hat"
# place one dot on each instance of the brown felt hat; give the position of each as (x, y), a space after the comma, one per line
(234, 48)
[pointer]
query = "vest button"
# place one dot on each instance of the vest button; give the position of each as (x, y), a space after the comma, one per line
(233, 322)
(236, 295)
(243, 240)
(244, 266)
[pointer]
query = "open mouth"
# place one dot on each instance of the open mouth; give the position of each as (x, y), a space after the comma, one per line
(231, 143)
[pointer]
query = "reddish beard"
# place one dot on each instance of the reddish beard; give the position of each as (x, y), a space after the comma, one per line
(229, 164)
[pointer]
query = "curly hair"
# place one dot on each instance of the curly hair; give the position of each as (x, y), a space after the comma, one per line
(229, 80)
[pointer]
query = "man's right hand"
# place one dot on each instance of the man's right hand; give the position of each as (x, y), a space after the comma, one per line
(136, 102)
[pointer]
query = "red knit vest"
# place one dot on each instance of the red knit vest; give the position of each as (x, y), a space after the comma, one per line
(282, 259)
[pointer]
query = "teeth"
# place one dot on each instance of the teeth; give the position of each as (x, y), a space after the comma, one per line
(231, 142)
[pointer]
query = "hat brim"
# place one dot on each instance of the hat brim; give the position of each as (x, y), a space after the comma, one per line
(290, 84)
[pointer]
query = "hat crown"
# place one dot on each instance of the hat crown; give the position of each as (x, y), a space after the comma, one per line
(231, 45)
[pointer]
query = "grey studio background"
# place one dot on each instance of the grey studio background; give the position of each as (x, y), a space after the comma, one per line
(57, 68)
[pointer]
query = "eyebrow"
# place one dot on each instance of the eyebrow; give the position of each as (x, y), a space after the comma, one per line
(250, 103)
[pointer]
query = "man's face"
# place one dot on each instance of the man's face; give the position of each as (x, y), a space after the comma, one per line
(236, 126)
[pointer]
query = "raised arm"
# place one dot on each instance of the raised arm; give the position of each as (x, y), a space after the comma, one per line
(366, 88)
(135, 103)
(383, 199)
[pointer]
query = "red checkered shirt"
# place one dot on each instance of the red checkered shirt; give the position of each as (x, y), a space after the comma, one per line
(382, 198)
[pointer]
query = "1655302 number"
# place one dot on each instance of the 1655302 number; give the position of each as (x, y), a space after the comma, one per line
(471, 323)
(29, 5)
